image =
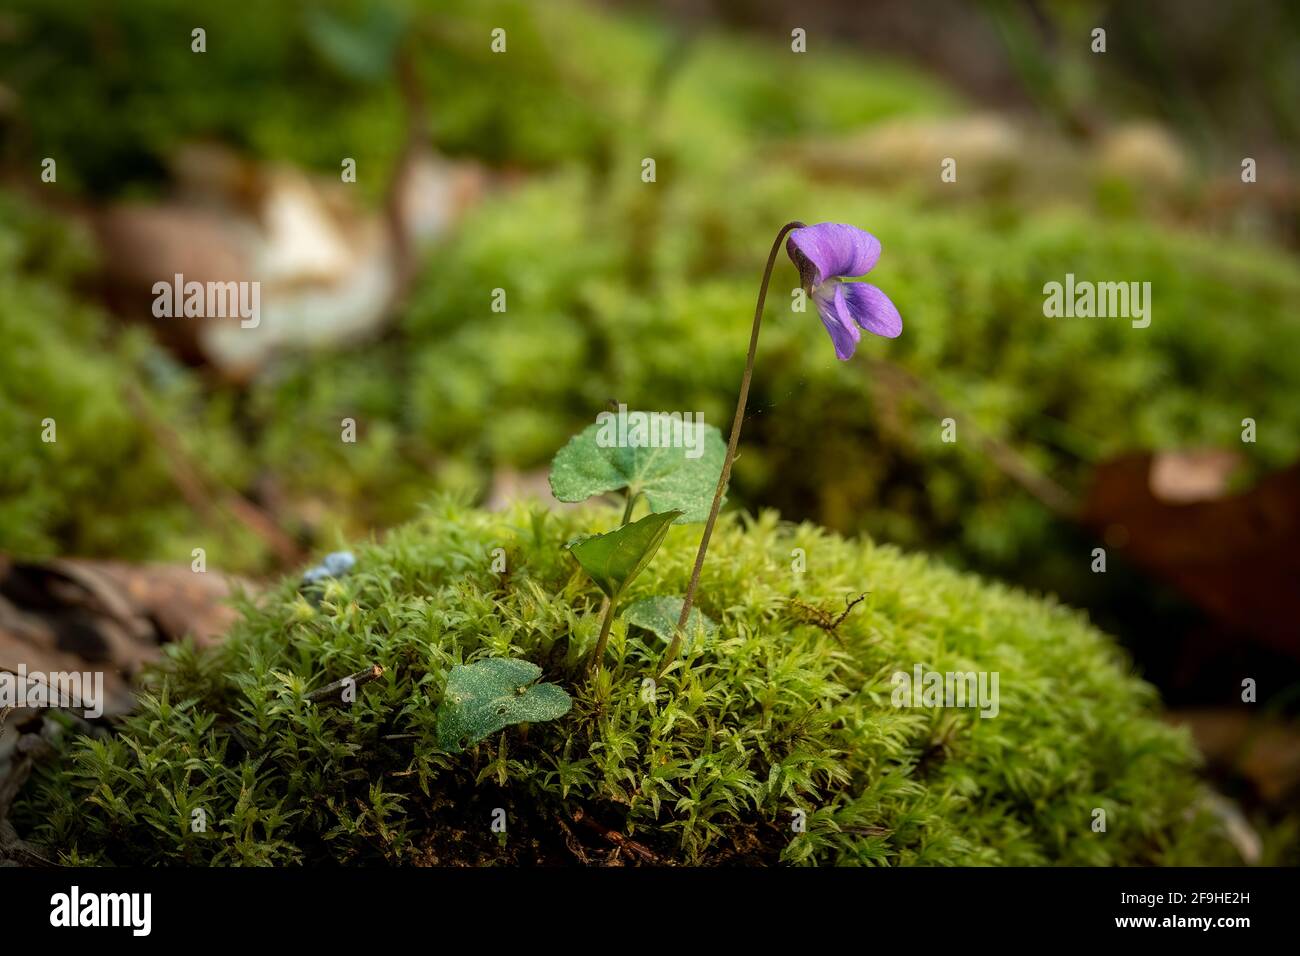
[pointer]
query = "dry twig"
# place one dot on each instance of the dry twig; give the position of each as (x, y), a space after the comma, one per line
(330, 693)
(624, 843)
(1007, 460)
(198, 493)
(820, 617)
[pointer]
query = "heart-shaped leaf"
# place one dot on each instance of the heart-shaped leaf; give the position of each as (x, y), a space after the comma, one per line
(612, 560)
(490, 695)
(595, 461)
(659, 615)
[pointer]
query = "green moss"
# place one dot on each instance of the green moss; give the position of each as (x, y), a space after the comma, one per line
(770, 716)
(111, 91)
(103, 485)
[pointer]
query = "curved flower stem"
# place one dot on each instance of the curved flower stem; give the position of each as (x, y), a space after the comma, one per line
(675, 647)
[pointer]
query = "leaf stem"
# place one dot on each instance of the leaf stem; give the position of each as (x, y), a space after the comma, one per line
(631, 503)
(605, 605)
(605, 623)
(675, 647)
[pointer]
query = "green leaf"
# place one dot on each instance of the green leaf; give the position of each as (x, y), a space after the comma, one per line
(659, 615)
(612, 560)
(490, 695)
(667, 477)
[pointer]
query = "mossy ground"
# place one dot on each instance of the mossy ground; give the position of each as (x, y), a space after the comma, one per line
(775, 715)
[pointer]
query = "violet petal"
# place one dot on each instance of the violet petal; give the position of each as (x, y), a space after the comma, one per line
(831, 249)
(834, 312)
(870, 308)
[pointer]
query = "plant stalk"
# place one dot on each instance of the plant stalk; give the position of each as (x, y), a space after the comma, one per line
(606, 623)
(627, 510)
(607, 606)
(675, 647)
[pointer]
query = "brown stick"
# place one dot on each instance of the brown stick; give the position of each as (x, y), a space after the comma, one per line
(197, 493)
(329, 691)
(619, 840)
(417, 140)
(820, 617)
(1005, 458)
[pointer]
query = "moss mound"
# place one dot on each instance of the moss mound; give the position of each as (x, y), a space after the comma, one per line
(772, 716)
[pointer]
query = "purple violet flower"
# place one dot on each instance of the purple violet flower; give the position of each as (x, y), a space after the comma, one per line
(826, 254)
